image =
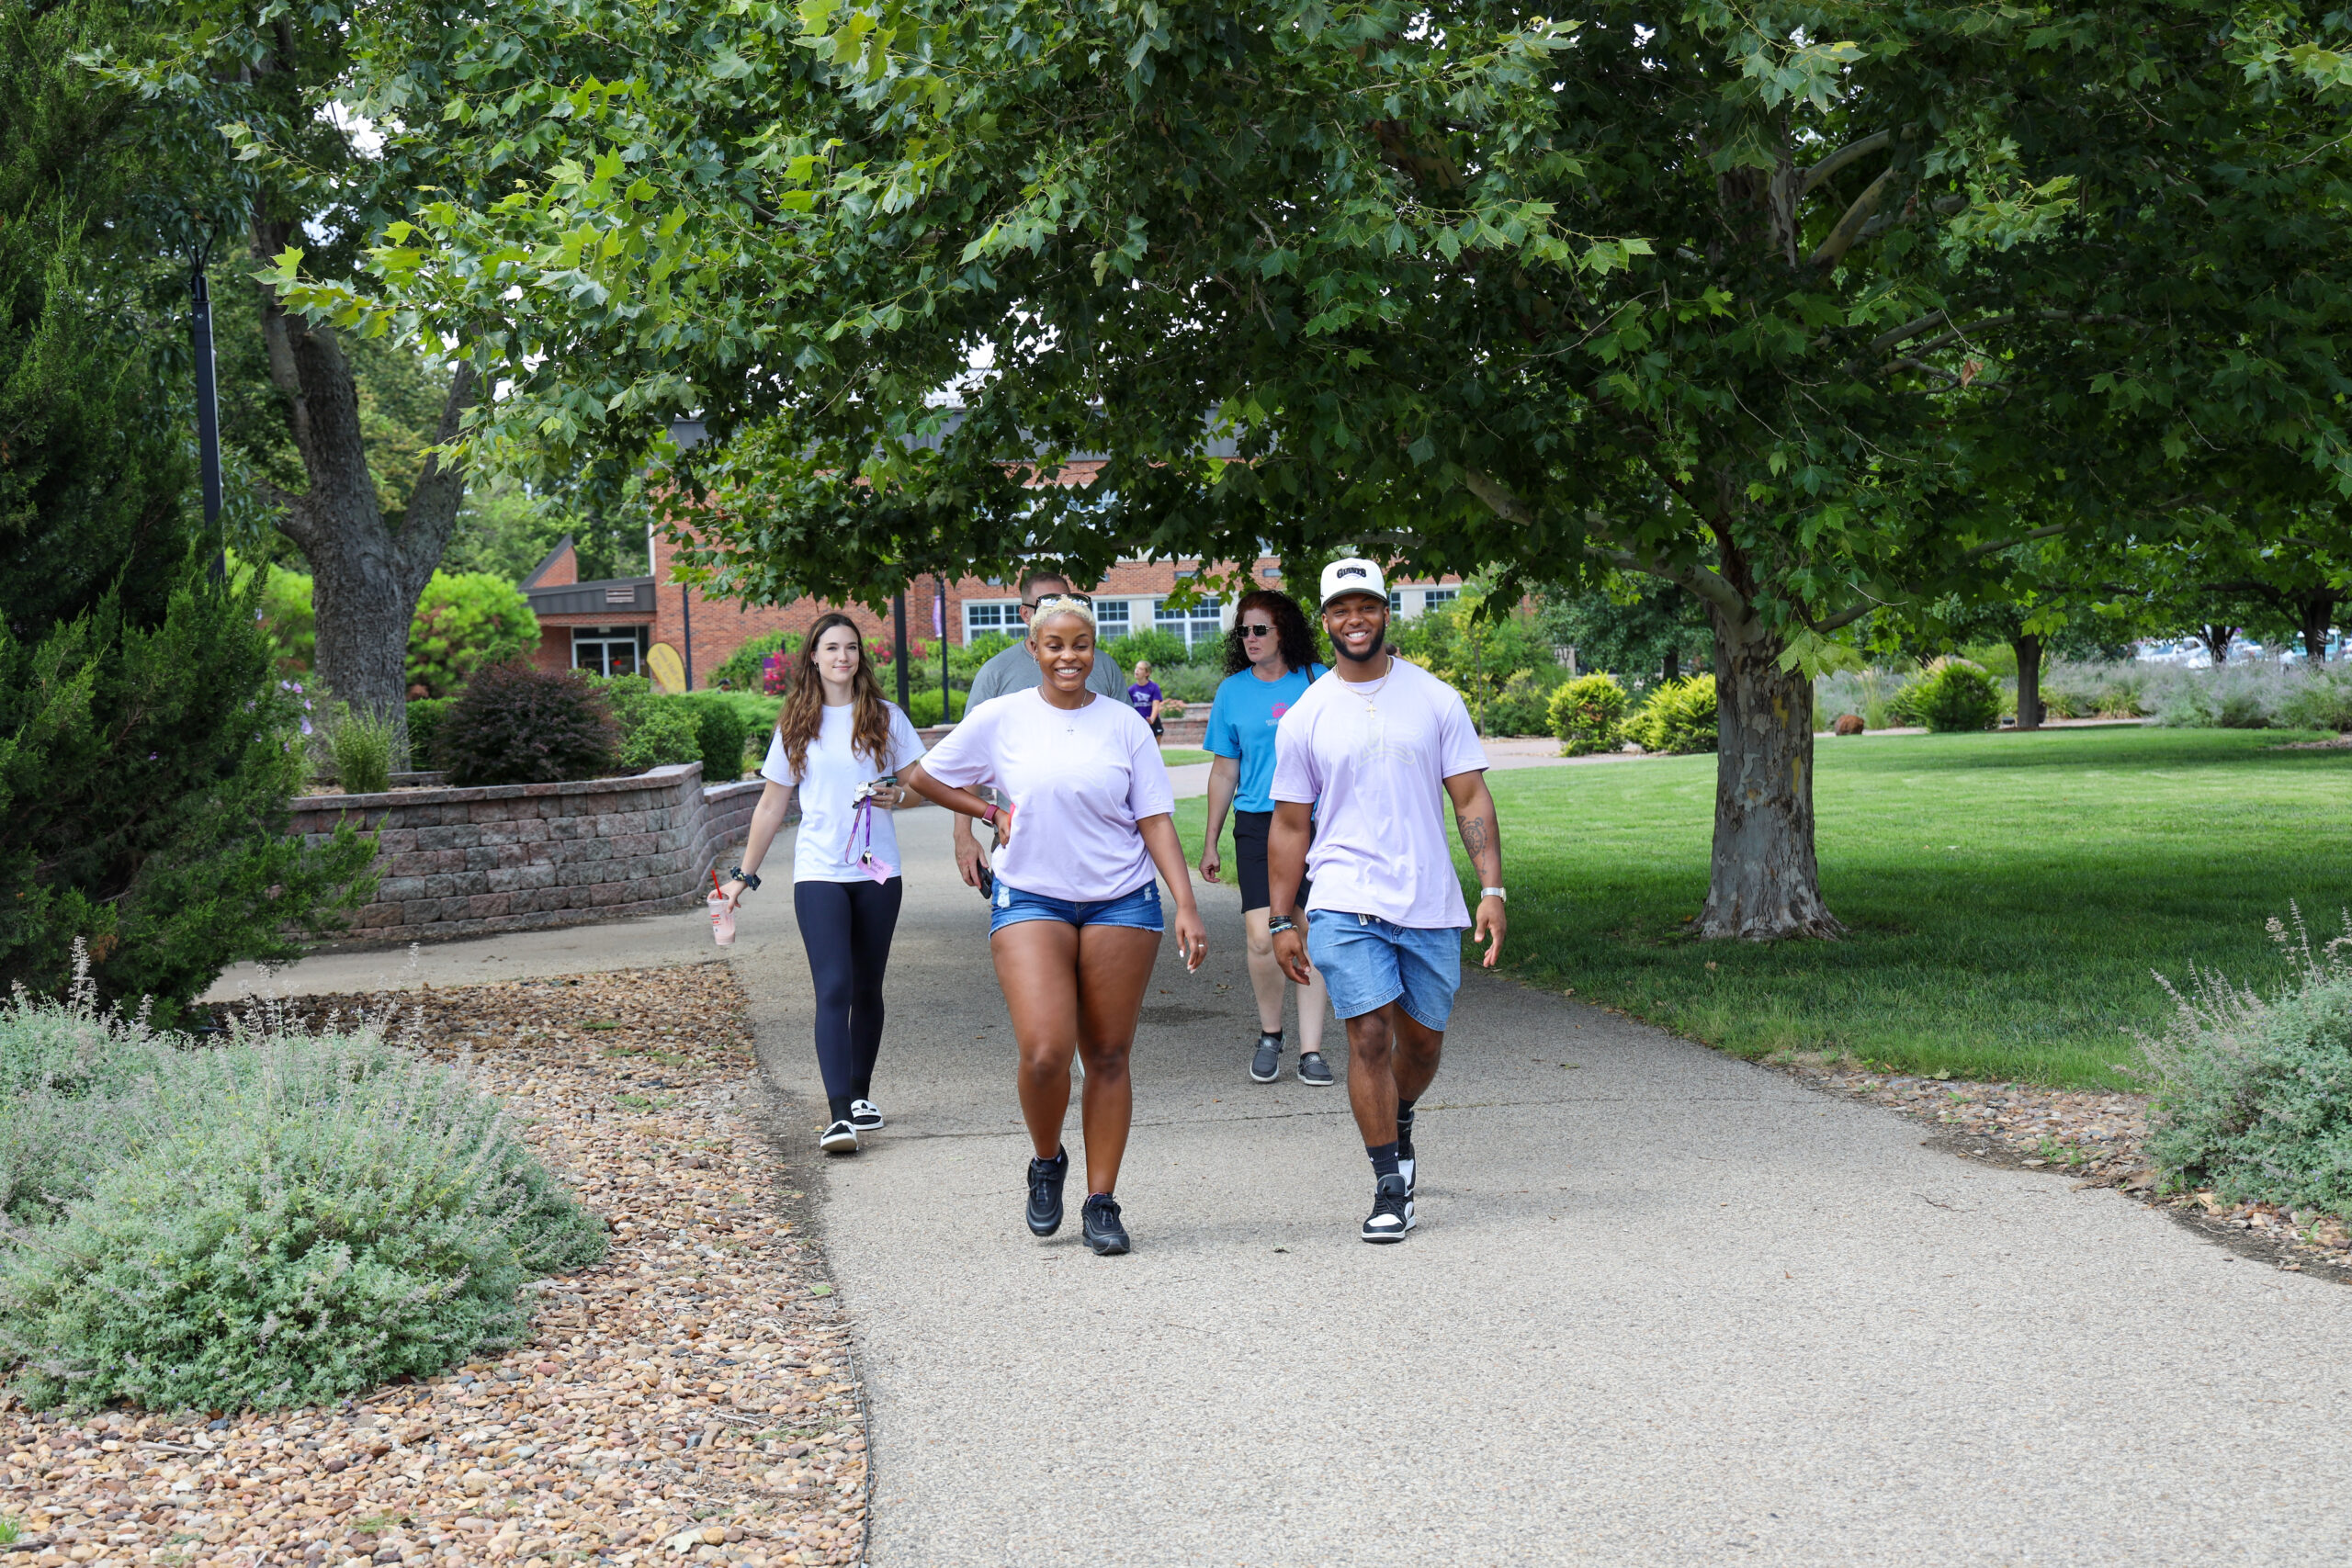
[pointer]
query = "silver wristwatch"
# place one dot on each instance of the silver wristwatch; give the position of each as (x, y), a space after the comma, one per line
(1493, 893)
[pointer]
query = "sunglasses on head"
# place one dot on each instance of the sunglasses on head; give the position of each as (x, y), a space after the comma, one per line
(1259, 630)
(1087, 599)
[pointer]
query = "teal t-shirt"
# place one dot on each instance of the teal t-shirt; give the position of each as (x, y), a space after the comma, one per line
(1241, 723)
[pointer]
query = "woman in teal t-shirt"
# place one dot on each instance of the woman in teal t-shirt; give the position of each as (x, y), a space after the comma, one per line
(1270, 660)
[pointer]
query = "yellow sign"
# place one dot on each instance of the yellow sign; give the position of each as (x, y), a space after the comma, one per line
(669, 671)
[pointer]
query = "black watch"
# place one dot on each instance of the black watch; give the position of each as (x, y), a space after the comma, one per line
(745, 877)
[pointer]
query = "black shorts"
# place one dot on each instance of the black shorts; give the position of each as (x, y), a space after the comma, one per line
(1250, 829)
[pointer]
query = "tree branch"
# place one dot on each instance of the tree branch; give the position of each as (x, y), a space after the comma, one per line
(1850, 228)
(440, 490)
(295, 520)
(1840, 158)
(1497, 497)
(1905, 332)
(1981, 551)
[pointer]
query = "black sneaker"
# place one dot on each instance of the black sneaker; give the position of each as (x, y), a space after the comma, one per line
(1314, 1071)
(1098, 1221)
(1267, 1065)
(841, 1138)
(1392, 1211)
(864, 1115)
(1046, 1192)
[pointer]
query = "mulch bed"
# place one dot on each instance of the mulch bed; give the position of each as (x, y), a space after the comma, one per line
(2094, 1136)
(690, 1399)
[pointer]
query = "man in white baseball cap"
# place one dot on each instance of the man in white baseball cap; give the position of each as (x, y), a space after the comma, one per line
(1364, 765)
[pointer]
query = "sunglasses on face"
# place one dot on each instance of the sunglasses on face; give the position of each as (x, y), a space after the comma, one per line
(1257, 631)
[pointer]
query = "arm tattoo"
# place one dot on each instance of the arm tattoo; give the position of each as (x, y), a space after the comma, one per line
(1476, 838)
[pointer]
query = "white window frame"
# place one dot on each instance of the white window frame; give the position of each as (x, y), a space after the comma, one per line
(1122, 624)
(1202, 621)
(603, 637)
(974, 629)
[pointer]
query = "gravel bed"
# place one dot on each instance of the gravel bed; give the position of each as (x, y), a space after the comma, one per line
(690, 1399)
(2094, 1136)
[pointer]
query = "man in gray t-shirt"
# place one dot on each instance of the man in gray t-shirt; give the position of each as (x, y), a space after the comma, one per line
(1015, 670)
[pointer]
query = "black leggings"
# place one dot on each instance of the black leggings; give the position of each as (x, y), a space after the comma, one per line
(847, 926)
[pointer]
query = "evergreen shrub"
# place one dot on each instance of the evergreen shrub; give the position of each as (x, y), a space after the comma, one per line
(1678, 717)
(721, 732)
(656, 731)
(2253, 1092)
(1163, 650)
(283, 1219)
(1952, 696)
(517, 725)
(1589, 715)
(2321, 700)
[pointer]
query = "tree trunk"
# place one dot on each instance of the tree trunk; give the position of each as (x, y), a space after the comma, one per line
(2217, 640)
(1674, 664)
(2316, 611)
(1764, 884)
(2029, 651)
(367, 578)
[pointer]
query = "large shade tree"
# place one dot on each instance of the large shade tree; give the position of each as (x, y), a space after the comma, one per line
(1798, 308)
(247, 151)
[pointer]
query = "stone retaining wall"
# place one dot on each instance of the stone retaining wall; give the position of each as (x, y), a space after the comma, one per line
(514, 857)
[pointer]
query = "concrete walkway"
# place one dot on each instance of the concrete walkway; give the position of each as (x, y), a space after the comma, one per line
(1662, 1307)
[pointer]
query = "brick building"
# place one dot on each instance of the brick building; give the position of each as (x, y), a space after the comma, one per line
(655, 626)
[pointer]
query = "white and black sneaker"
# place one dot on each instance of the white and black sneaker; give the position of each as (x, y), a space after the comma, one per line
(841, 1138)
(864, 1115)
(1392, 1211)
(1266, 1066)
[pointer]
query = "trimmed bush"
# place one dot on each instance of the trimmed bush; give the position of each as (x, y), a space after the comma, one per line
(1953, 695)
(721, 732)
(464, 621)
(923, 708)
(517, 725)
(657, 730)
(2254, 1093)
(424, 717)
(1678, 717)
(1589, 715)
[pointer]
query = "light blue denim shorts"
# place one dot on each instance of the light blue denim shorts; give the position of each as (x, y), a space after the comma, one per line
(1139, 909)
(1368, 963)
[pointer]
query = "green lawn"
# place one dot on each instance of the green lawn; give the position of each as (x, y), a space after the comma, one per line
(2007, 894)
(1178, 756)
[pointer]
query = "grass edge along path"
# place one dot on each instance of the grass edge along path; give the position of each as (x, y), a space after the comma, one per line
(2008, 896)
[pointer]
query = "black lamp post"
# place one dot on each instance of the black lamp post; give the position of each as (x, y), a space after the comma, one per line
(207, 406)
(899, 642)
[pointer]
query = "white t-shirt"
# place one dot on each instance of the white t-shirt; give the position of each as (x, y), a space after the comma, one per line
(828, 795)
(1375, 767)
(1079, 780)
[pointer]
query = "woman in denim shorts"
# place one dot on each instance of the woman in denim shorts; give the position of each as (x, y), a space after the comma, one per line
(1075, 920)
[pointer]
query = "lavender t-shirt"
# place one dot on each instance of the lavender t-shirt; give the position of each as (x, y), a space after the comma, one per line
(1373, 762)
(1079, 780)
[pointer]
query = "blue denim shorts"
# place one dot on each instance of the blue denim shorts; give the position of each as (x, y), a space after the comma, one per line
(1368, 963)
(1139, 909)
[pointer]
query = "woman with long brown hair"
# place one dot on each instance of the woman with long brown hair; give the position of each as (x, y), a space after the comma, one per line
(836, 747)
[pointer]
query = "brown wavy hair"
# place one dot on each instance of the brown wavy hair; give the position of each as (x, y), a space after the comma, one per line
(804, 709)
(1291, 631)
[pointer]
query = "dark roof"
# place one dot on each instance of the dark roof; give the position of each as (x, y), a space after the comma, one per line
(612, 595)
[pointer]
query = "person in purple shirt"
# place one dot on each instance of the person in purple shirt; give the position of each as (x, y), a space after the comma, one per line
(1074, 922)
(1144, 697)
(1374, 751)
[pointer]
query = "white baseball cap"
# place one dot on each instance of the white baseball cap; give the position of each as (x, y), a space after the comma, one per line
(1352, 575)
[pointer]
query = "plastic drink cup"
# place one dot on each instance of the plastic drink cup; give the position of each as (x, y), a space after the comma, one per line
(722, 920)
